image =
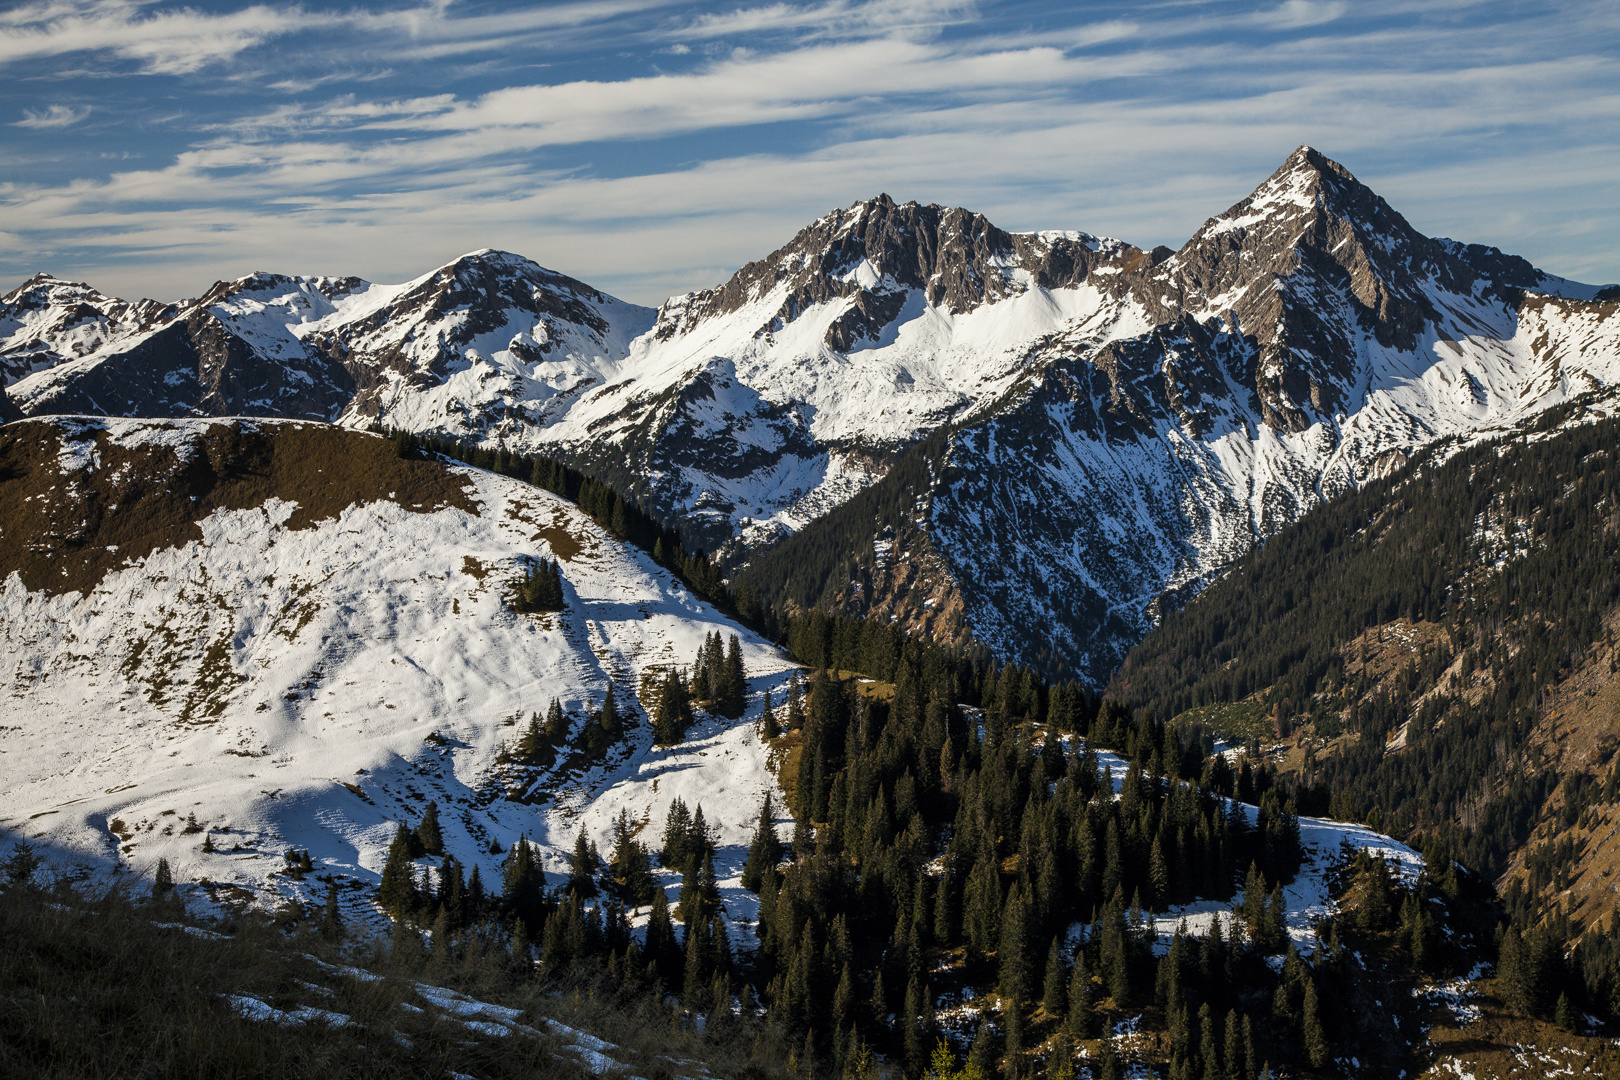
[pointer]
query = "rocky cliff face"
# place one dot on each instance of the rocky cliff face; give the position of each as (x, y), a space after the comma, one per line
(1121, 423)
(1300, 343)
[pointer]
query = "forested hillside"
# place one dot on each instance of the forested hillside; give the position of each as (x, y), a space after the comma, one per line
(1432, 652)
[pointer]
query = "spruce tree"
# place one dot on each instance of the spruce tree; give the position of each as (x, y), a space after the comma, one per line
(612, 724)
(524, 886)
(1012, 957)
(533, 742)
(582, 867)
(765, 851)
(630, 878)
(1054, 996)
(674, 713)
(162, 880)
(556, 727)
(767, 719)
(428, 834)
(677, 835)
(795, 703)
(396, 892)
(1311, 1033)
(731, 685)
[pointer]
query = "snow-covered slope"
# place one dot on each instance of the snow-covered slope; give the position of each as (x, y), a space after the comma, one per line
(46, 320)
(284, 633)
(1123, 423)
(1301, 342)
(487, 340)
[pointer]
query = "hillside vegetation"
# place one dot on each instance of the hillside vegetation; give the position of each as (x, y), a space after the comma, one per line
(1437, 648)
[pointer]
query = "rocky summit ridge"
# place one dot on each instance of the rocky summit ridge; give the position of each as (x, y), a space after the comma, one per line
(1114, 425)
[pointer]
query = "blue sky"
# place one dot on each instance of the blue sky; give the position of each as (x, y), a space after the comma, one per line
(651, 148)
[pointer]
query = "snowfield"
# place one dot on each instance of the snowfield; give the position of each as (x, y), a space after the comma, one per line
(308, 688)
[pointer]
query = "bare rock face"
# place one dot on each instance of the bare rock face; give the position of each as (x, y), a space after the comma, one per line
(46, 320)
(1105, 429)
(195, 366)
(873, 252)
(421, 335)
(1302, 342)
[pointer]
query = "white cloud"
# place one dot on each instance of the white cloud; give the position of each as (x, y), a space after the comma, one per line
(55, 116)
(163, 42)
(1139, 129)
(1294, 14)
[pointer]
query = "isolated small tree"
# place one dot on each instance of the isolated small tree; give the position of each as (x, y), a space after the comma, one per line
(767, 720)
(162, 881)
(19, 868)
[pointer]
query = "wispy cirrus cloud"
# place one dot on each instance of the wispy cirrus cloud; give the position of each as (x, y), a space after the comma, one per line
(650, 145)
(161, 42)
(53, 116)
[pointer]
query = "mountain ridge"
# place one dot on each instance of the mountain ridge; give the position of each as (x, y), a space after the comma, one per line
(1128, 420)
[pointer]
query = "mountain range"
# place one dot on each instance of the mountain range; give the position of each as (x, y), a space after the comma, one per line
(1067, 435)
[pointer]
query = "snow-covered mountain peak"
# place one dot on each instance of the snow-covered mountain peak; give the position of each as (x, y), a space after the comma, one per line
(47, 320)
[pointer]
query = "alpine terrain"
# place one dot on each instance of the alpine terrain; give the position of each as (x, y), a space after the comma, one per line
(1117, 426)
(936, 652)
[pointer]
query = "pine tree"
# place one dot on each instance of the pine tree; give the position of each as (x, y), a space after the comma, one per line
(1564, 1014)
(661, 948)
(843, 1002)
(795, 703)
(162, 880)
(610, 721)
(1158, 875)
(674, 712)
(1082, 1001)
(582, 867)
(672, 852)
(767, 719)
(556, 728)
(428, 834)
(765, 851)
(1233, 1055)
(1315, 1039)
(1054, 997)
(396, 892)
(523, 887)
(731, 684)
(1012, 957)
(630, 878)
(533, 742)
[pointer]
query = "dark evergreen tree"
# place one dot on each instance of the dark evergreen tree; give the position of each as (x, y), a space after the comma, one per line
(630, 879)
(396, 891)
(765, 851)
(428, 834)
(582, 865)
(674, 712)
(731, 686)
